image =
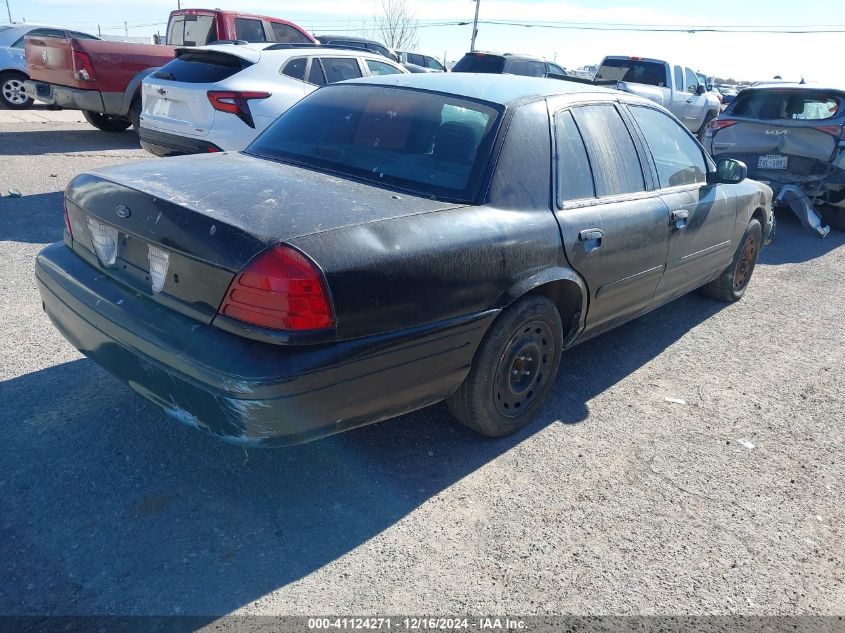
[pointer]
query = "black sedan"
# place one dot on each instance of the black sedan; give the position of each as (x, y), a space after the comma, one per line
(392, 242)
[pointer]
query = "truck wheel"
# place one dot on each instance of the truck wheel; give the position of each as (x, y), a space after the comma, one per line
(513, 370)
(12, 96)
(731, 284)
(105, 122)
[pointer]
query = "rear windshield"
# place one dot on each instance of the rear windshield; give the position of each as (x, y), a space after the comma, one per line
(191, 30)
(480, 64)
(633, 70)
(201, 67)
(770, 105)
(432, 144)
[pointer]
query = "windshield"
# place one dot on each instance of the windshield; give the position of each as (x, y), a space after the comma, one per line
(633, 70)
(768, 105)
(432, 144)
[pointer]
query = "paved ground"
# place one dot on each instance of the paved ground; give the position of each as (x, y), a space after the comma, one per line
(614, 501)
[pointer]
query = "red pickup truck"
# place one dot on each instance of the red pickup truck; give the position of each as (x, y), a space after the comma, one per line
(103, 79)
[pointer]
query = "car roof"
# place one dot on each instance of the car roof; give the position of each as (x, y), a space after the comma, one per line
(493, 88)
(253, 51)
(793, 85)
(349, 38)
(517, 56)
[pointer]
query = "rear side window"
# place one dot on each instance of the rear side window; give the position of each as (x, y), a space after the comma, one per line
(430, 62)
(340, 68)
(480, 64)
(249, 30)
(201, 67)
(803, 105)
(678, 158)
(82, 36)
(295, 68)
(613, 155)
(574, 174)
(47, 33)
(414, 58)
(526, 68)
(380, 68)
(286, 34)
(633, 70)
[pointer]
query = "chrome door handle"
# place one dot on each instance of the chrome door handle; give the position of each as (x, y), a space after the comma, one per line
(679, 218)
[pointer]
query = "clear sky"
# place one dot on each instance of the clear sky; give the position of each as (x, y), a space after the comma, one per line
(818, 57)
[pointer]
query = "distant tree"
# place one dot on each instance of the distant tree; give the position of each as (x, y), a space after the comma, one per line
(396, 26)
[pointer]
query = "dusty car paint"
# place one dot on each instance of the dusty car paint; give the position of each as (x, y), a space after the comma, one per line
(415, 282)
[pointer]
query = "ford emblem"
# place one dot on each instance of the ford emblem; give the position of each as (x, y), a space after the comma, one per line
(122, 211)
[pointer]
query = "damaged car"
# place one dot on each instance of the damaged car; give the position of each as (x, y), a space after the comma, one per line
(391, 242)
(792, 137)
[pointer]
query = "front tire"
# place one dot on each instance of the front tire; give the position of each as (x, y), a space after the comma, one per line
(730, 286)
(513, 370)
(105, 122)
(12, 96)
(135, 114)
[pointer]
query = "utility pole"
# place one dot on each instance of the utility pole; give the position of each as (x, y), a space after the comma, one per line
(98, 31)
(8, 10)
(474, 26)
(125, 29)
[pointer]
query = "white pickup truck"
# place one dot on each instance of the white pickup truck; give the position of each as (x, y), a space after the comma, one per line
(675, 87)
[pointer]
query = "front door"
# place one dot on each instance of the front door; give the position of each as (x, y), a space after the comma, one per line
(701, 217)
(615, 232)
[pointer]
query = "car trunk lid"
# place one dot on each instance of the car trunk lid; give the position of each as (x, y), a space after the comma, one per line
(210, 215)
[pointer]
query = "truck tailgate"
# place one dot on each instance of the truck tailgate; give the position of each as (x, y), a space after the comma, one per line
(50, 59)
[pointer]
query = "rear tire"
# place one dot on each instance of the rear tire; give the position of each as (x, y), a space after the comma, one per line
(105, 122)
(12, 96)
(513, 370)
(730, 286)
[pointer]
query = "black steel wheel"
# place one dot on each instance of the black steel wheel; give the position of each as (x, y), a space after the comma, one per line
(732, 283)
(513, 369)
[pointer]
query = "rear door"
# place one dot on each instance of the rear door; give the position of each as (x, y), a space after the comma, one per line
(615, 230)
(700, 217)
(781, 134)
(175, 98)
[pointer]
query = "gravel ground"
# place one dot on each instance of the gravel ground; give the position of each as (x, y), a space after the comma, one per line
(615, 501)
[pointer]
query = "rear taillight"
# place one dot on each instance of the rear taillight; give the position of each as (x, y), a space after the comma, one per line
(83, 69)
(836, 130)
(720, 124)
(67, 223)
(236, 103)
(281, 290)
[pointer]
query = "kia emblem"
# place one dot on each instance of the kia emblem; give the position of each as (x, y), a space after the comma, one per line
(122, 211)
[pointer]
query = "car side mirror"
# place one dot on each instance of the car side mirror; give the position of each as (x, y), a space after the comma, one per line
(729, 172)
(700, 90)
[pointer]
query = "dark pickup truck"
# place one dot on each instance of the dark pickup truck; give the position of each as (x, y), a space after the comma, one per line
(103, 79)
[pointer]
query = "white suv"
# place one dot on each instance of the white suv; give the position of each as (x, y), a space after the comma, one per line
(220, 97)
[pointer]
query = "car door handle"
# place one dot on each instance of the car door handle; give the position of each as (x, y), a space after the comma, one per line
(591, 235)
(679, 218)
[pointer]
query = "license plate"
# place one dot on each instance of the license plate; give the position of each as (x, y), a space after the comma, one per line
(772, 161)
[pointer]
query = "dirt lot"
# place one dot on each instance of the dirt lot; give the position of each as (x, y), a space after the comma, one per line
(614, 501)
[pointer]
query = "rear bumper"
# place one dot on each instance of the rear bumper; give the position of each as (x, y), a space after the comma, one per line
(242, 391)
(65, 97)
(164, 144)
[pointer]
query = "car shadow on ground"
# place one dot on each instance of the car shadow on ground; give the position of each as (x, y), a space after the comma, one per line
(51, 141)
(36, 218)
(108, 506)
(794, 244)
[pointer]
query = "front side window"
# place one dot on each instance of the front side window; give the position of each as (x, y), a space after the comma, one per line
(692, 81)
(432, 144)
(679, 78)
(340, 68)
(286, 34)
(678, 158)
(249, 30)
(417, 60)
(613, 155)
(430, 62)
(554, 69)
(574, 174)
(380, 68)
